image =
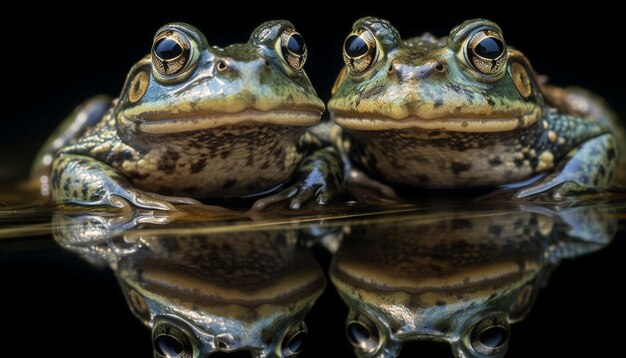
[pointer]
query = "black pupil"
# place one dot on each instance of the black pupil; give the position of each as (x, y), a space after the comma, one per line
(493, 337)
(355, 46)
(296, 44)
(358, 333)
(296, 342)
(167, 49)
(490, 48)
(168, 346)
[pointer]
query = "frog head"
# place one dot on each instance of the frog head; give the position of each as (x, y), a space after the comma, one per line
(468, 82)
(187, 85)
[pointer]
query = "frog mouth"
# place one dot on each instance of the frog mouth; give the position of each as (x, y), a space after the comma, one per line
(451, 124)
(187, 123)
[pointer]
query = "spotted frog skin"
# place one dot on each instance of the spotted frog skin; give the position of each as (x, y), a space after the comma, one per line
(466, 111)
(198, 121)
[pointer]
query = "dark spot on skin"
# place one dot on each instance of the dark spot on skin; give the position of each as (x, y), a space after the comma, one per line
(84, 189)
(168, 161)
(434, 133)
(610, 153)
(601, 170)
(495, 230)
(490, 101)
(610, 174)
(438, 103)
(265, 165)
(459, 224)
(458, 168)
(56, 179)
(229, 183)
(94, 197)
(66, 184)
(374, 91)
(495, 161)
(440, 303)
(224, 153)
(197, 166)
(423, 179)
(136, 176)
(465, 124)
(119, 156)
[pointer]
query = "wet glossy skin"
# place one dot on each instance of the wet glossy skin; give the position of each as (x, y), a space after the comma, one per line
(196, 121)
(462, 277)
(465, 110)
(202, 294)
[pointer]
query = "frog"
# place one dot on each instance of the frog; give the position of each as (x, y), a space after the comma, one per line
(197, 121)
(198, 292)
(458, 275)
(466, 111)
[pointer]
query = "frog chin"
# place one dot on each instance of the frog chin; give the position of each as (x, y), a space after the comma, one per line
(195, 122)
(453, 124)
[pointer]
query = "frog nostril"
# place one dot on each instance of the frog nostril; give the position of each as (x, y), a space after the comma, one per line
(267, 63)
(221, 66)
(390, 69)
(440, 68)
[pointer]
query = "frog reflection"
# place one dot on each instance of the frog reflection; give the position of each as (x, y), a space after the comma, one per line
(457, 277)
(201, 294)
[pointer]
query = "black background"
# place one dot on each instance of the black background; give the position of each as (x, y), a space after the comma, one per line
(51, 64)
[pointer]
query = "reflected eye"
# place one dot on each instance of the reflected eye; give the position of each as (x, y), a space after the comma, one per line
(486, 52)
(293, 49)
(170, 52)
(168, 346)
(363, 334)
(170, 342)
(359, 51)
(293, 342)
(490, 336)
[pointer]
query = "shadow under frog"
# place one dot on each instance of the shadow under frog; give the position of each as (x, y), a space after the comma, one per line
(459, 277)
(204, 293)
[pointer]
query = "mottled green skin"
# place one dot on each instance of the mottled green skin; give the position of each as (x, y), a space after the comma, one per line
(436, 276)
(414, 83)
(197, 134)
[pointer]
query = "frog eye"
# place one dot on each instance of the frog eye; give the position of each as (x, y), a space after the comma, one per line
(359, 51)
(293, 342)
(170, 52)
(486, 52)
(363, 334)
(490, 336)
(293, 49)
(169, 341)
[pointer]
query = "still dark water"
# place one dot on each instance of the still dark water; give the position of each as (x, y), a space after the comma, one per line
(436, 277)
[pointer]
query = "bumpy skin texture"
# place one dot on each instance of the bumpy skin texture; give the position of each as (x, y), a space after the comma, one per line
(423, 113)
(227, 123)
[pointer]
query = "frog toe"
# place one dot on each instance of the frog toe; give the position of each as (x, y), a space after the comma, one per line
(366, 189)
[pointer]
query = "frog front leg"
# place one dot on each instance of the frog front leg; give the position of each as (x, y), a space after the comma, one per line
(590, 167)
(85, 181)
(318, 177)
